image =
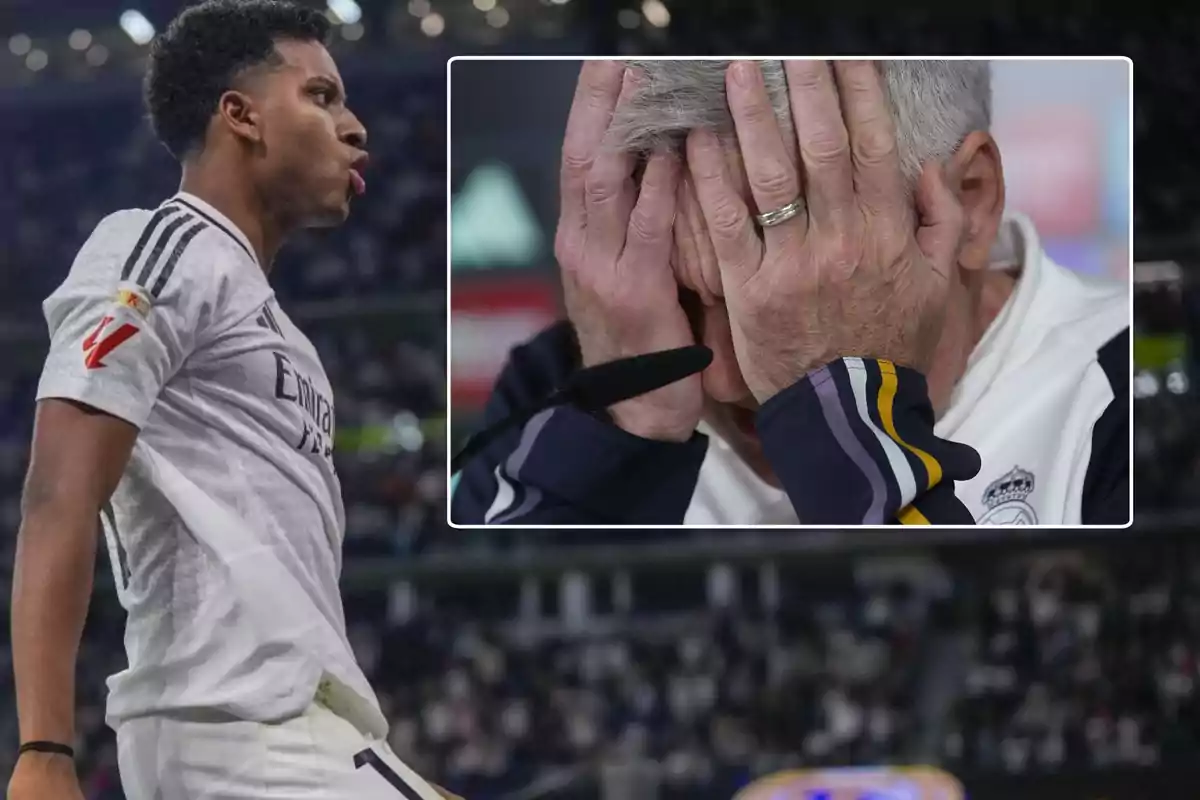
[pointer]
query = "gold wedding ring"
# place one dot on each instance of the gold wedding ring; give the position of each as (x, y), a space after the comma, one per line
(781, 215)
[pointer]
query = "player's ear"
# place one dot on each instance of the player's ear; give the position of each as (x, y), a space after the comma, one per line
(976, 177)
(237, 112)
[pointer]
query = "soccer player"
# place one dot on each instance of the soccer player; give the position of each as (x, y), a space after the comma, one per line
(181, 409)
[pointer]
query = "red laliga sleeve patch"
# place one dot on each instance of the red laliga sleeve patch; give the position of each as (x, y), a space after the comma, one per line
(98, 344)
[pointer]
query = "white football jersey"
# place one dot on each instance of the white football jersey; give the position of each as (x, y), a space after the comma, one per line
(225, 532)
(1032, 394)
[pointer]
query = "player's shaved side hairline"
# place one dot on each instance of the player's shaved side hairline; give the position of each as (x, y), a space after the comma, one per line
(274, 61)
(195, 60)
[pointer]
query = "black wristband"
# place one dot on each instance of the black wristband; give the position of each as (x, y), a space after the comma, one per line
(47, 747)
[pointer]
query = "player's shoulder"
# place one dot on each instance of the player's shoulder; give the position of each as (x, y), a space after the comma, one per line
(159, 251)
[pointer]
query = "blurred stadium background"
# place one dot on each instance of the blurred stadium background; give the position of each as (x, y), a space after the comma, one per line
(657, 664)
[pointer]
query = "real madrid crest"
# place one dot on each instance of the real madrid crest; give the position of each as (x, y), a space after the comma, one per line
(1006, 499)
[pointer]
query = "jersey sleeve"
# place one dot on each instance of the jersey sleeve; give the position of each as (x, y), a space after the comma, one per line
(121, 325)
(853, 444)
(566, 466)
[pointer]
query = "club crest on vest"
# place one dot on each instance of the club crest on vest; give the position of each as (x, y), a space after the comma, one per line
(1006, 499)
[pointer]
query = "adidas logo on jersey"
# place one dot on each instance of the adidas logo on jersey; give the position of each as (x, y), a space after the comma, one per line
(266, 319)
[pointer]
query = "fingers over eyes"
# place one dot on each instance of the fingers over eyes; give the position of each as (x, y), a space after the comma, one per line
(730, 226)
(609, 190)
(774, 181)
(648, 238)
(878, 179)
(824, 142)
(596, 97)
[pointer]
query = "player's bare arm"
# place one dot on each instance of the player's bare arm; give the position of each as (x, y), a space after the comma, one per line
(77, 458)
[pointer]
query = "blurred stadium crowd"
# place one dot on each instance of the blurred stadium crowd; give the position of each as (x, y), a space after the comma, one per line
(1016, 665)
(513, 667)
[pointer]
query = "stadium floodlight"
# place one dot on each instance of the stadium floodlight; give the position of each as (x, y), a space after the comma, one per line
(37, 60)
(406, 432)
(20, 45)
(484, 5)
(96, 55)
(656, 13)
(80, 39)
(433, 24)
(346, 11)
(137, 27)
(497, 17)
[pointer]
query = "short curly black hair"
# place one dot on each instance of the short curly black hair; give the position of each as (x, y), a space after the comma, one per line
(195, 60)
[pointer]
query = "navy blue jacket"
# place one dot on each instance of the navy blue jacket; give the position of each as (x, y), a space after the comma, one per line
(570, 467)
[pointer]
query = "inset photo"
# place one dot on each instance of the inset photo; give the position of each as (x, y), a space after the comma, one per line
(797, 292)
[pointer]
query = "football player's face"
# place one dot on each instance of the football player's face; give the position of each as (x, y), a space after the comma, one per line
(314, 144)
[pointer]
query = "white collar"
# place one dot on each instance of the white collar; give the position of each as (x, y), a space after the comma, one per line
(217, 219)
(1017, 246)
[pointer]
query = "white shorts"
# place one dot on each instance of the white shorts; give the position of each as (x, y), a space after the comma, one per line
(316, 756)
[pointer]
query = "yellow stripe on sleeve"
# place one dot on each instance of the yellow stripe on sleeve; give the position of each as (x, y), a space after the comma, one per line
(887, 397)
(912, 516)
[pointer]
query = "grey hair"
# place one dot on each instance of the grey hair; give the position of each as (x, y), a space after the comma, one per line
(934, 103)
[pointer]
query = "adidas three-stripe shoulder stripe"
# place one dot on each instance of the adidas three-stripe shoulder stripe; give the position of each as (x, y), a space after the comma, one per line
(172, 230)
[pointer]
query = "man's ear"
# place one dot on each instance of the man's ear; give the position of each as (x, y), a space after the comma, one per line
(238, 113)
(976, 176)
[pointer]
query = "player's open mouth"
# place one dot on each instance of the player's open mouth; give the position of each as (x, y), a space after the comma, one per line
(358, 186)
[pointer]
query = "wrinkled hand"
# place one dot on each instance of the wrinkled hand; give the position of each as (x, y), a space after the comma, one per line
(859, 272)
(38, 776)
(614, 248)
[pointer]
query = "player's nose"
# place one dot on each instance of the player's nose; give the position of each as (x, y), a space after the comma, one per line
(353, 132)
